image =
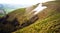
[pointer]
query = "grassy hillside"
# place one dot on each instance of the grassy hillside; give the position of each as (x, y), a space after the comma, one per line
(13, 21)
(16, 12)
(49, 20)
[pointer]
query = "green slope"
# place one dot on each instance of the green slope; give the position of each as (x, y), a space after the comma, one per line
(49, 24)
(16, 12)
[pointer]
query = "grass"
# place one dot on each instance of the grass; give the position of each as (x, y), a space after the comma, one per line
(42, 26)
(49, 24)
(17, 12)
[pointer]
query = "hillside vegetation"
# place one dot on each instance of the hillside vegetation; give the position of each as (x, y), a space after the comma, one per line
(48, 22)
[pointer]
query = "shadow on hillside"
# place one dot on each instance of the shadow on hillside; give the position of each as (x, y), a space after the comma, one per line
(30, 21)
(8, 26)
(11, 26)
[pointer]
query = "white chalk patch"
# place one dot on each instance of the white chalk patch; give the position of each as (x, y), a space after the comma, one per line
(39, 9)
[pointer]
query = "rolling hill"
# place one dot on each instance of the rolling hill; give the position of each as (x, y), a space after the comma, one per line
(48, 22)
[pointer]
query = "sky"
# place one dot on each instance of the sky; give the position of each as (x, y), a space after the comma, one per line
(24, 2)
